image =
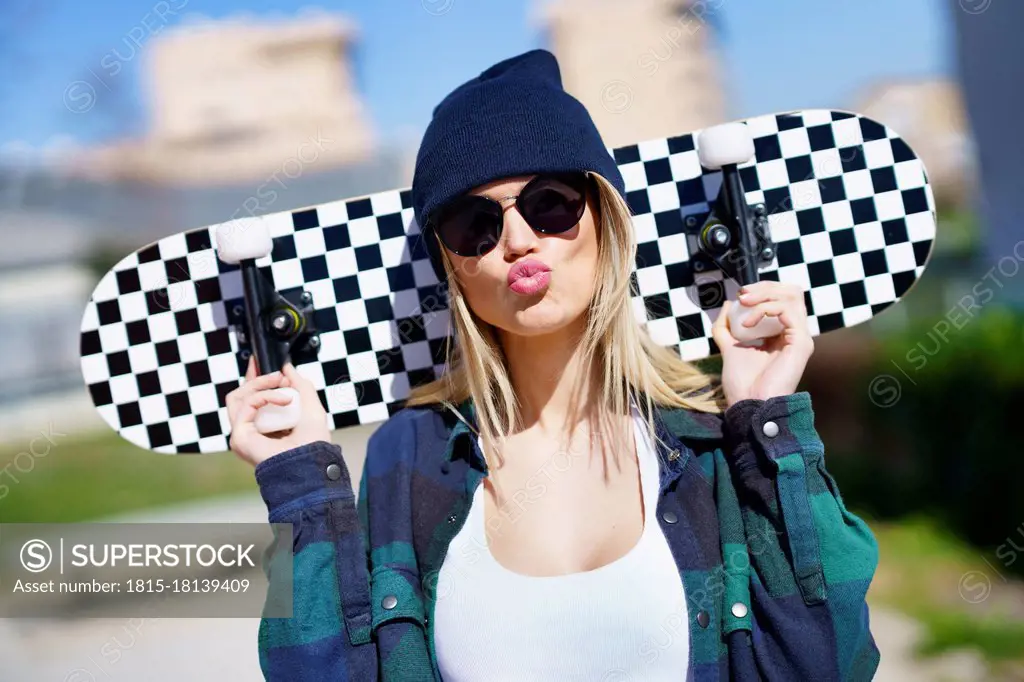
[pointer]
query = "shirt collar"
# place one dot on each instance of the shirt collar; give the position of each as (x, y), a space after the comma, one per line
(673, 426)
(465, 427)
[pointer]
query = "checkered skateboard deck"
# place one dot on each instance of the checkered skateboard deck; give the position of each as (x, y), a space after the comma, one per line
(849, 209)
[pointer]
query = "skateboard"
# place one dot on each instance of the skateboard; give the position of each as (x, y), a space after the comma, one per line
(829, 200)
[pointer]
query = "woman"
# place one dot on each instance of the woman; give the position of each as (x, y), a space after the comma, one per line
(570, 501)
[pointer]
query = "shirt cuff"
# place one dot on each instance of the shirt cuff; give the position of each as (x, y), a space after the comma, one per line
(306, 475)
(775, 427)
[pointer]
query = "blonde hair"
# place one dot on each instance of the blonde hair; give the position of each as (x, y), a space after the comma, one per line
(615, 350)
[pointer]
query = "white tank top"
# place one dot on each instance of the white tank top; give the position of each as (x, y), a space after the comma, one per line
(624, 621)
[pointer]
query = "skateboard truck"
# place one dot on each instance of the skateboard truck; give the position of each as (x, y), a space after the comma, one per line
(276, 326)
(735, 235)
(285, 327)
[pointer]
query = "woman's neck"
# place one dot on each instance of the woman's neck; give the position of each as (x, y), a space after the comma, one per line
(547, 375)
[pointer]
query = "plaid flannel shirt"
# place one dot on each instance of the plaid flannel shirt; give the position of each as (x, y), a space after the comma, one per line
(774, 568)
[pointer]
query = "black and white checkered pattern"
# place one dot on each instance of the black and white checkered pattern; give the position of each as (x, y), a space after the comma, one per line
(849, 206)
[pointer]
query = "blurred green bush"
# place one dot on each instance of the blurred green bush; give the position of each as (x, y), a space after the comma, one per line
(940, 410)
(87, 477)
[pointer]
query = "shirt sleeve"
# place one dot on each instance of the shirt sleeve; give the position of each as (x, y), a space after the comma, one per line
(328, 635)
(810, 560)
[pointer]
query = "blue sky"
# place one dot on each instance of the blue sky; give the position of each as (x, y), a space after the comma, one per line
(778, 54)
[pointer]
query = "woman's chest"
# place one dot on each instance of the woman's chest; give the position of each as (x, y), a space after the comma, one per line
(625, 612)
(553, 512)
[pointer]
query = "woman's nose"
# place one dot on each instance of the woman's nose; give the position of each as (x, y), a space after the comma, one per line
(516, 233)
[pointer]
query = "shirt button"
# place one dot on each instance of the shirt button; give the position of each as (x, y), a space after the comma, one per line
(739, 609)
(669, 517)
(703, 618)
(452, 518)
(389, 602)
(333, 472)
(770, 429)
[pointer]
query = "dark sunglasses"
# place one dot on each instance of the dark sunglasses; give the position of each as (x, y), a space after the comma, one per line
(550, 203)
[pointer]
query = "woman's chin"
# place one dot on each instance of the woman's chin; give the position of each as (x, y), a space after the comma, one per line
(539, 320)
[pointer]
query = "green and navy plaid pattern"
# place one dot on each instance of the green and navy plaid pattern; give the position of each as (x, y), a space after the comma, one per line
(775, 569)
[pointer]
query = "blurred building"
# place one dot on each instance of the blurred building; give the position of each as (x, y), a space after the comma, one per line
(930, 115)
(644, 69)
(246, 118)
(990, 69)
(242, 99)
(42, 296)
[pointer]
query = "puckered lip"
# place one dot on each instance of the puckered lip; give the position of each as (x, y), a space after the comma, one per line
(526, 268)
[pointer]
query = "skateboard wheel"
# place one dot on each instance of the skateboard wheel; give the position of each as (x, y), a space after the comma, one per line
(752, 336)
(271, 418)
(240, 240)
(724, 145)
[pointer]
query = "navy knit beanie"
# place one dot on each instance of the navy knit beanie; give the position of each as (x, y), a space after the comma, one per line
(513, 119)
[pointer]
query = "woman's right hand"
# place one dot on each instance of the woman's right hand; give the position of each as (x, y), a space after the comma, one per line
(257, 391)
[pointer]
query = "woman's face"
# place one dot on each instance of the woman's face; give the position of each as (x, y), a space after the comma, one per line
(542, 303)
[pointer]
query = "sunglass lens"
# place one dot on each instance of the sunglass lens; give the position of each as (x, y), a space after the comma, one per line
(554, 203)
(470, 226)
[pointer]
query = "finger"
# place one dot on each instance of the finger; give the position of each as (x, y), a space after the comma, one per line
(300, 383)
(795, 325)
(272, 396)
(787, 289)
(766, 290)
(253, 403)
(260, 383)
(759, 311)
(239, 401)
(232, 401)
(755, 292)
(263, 381)
(720, 329)
(723, 314)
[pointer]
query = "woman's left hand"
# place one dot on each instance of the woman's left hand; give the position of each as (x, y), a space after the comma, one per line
(774, 368)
